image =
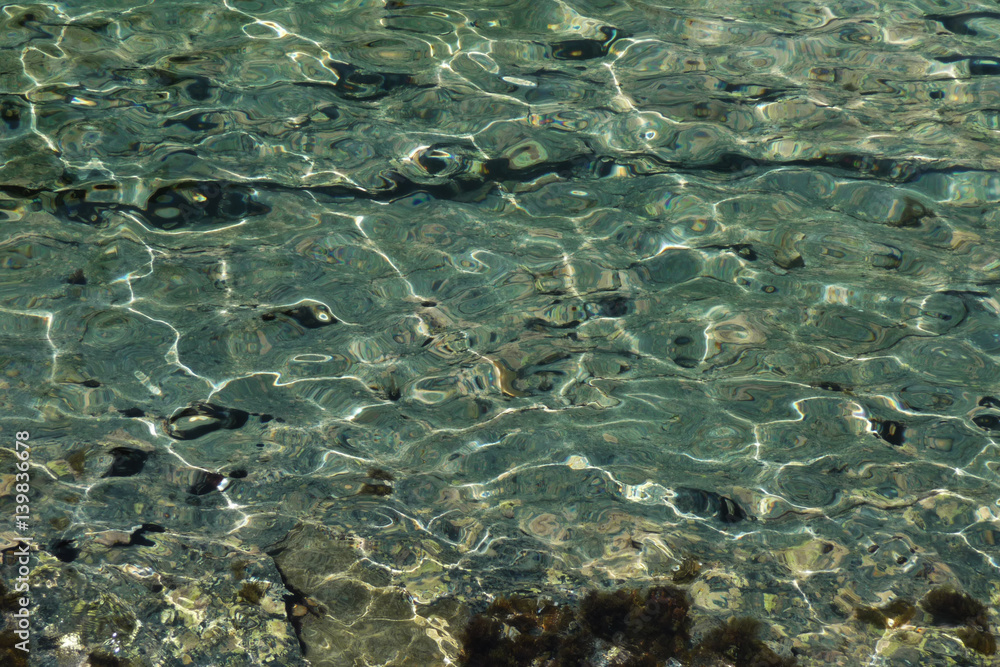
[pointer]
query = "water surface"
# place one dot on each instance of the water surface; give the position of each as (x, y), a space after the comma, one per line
(332, 321)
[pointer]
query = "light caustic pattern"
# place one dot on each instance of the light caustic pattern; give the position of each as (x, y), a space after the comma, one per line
(601, 287)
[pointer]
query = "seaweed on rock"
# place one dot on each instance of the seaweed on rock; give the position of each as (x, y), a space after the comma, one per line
(890, 615)
(380, 475)
(380, 490)
(100, 659)
(9, 653)
(949, 607)
(738, 641)
(624, 628)
(252, 592)
(10, 601)
(980, 641)
(687, 571)
(607, 614)
(514, 631)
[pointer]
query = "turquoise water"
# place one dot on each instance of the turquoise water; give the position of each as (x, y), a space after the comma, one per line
(331, 322)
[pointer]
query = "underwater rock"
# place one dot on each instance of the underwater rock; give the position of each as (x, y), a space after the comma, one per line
(354, 83)
(191, 203)
(136, 612)
(138, 539)
(538, 324)
(127, 462)
(788, 260)
(312, 316)
(831, 386)
(11, 108)
(744, 250)
(890, 431)
(709, 503)
(200, 419)
(206, 482)
(617, 306)
(380, 485)
(345, 609)
(587, 49)
(987, 422)
(185, 204)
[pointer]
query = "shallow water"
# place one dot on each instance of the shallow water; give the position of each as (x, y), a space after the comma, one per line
(601, 286)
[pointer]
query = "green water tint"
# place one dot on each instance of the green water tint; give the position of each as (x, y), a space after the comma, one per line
(409, 308)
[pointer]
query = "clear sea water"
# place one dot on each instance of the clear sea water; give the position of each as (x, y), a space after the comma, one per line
(332, 321)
